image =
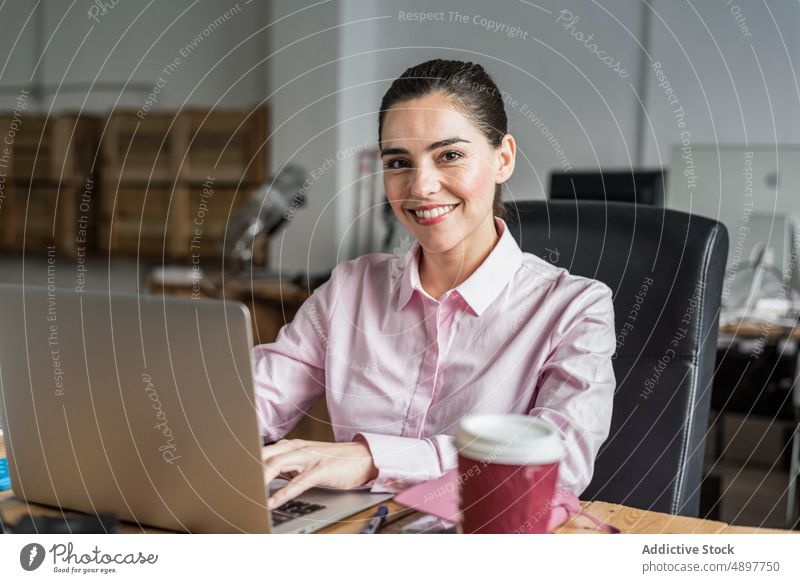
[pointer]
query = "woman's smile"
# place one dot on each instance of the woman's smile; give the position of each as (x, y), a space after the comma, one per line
(432, 215)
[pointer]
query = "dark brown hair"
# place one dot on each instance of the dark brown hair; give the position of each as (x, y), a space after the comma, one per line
(469, 86)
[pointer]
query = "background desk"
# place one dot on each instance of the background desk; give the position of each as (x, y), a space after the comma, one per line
(757, 375)
(272, 304)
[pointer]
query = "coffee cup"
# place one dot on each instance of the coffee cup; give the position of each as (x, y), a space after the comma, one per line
(508, 469)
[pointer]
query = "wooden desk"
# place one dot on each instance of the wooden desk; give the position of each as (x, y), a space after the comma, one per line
(749, 329)
(629, 520)
(272, 304)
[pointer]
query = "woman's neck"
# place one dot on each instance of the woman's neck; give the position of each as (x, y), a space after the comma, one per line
(440, 272)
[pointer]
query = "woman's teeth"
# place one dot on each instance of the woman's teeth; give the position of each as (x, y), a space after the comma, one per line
(433, 213)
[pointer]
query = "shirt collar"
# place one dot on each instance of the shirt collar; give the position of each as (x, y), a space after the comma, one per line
(483, 286)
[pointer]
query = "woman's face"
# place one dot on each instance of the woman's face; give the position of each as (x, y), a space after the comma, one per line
(440, 171)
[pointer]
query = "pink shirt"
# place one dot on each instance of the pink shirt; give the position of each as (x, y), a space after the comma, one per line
(401, 368)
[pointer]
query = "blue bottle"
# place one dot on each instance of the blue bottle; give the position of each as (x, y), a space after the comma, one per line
(5, 477)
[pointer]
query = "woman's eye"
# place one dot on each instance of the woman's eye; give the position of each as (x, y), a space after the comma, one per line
(451, 156)
(395, 164)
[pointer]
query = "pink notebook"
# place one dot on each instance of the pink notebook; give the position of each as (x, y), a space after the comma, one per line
(438, 497)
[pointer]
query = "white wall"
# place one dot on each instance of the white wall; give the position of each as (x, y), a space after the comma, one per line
(362, 82)
(735, 85)
(18, 50)
(303, 79)
(124, 51)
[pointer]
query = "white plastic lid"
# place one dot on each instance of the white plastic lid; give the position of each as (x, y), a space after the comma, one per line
(509, 439)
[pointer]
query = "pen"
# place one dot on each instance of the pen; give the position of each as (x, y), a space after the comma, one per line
(376, 520)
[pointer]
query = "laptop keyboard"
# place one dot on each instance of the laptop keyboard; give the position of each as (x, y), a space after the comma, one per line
(293, 509)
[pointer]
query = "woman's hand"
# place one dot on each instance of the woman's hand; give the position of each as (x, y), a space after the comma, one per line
(315, 463)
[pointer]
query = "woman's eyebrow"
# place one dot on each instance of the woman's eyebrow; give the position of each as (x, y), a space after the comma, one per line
(430, 148)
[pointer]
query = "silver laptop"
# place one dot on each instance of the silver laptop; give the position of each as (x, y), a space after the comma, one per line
(143, 406)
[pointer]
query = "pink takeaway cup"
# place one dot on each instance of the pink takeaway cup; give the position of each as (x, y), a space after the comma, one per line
(508, 468)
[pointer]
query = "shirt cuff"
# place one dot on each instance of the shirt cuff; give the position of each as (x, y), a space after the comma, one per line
(402, 462)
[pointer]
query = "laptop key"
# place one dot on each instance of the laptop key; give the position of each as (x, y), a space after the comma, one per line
(293, 509)
(279, 518)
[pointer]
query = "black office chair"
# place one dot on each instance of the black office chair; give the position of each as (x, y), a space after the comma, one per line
(634, 186)
(664, 363)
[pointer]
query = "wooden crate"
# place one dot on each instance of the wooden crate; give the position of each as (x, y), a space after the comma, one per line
(37, 214)
(227, 145)
(31, 148)
(6, 196)
(141, 149)
(78, 210)
(6, 157)
(59, 148)
(134, 219)
(76, 148)
(29, 218)
(180, 221)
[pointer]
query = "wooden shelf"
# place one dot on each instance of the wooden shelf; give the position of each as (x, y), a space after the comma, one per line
(228, 146)
(165, 182)
(180, 221)
(140, 148)
(61, 148)
(38, 214)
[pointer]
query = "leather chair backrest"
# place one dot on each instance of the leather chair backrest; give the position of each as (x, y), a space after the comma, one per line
(665, 269)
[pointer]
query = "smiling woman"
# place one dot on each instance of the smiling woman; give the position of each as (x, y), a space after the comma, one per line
(463, 323)
(446, 152)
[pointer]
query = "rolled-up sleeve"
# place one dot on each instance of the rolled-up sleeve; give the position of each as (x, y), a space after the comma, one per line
(289, 374)
(576, 385)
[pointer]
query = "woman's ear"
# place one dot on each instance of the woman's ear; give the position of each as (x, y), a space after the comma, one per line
(506, 157)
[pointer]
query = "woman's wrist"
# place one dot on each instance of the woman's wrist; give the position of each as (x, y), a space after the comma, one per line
(373, 469)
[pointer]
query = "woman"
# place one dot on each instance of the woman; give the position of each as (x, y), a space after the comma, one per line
(403, 347)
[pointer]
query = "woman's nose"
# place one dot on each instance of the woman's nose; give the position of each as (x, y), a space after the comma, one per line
(426, 181)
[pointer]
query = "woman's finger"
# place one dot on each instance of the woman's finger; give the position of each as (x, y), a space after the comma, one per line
(280, 447)
(297, 486)
(291, 461)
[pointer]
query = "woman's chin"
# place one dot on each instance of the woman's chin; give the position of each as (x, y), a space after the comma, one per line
(439, 238)
(436, 246)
